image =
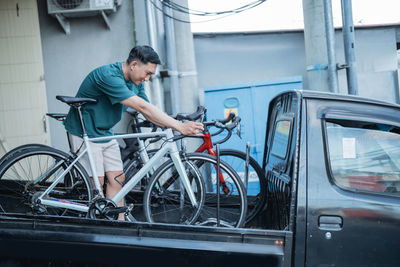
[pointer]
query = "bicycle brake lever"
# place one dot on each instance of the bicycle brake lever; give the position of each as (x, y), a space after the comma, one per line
(238, 131)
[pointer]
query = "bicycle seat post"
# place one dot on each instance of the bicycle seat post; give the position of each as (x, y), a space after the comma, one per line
(89, 152)
(84, 133)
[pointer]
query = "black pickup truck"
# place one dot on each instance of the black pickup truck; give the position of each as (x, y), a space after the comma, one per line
(333, 168)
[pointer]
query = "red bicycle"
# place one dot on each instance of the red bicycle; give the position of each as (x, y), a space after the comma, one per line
(256, 186)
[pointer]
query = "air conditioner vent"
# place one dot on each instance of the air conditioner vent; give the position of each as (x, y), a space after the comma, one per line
(68, 4)
(80, 8)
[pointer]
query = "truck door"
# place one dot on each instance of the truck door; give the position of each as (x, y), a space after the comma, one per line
(353, 179)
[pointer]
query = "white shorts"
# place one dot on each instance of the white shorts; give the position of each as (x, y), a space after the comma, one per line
(106, 156)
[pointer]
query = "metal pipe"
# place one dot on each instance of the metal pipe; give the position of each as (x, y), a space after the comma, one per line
(218, 184)
(246, 166)
(157, 96)
(330, 43)
(349, 41)
(171, 59)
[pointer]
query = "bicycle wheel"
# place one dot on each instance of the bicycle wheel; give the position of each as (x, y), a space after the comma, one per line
(29, 172)
(257, 184)
(167, 201)
(232, 200)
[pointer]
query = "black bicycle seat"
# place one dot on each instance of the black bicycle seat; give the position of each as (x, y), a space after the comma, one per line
(57, 116)
(193, 116)
(76, 101)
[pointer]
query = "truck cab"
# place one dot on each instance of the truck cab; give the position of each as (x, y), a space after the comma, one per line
(333, 169)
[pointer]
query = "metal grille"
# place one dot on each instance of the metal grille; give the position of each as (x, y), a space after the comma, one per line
(68, 4)
(73, 6)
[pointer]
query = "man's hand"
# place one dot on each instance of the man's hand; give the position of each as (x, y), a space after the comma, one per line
(156, 116)
(190, 128)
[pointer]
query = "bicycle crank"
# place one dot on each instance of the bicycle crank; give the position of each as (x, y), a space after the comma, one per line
(103, 208)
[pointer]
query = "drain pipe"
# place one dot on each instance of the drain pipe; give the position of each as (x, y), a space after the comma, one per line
(330, 43)
(349, 40)
(157, 96)
(171, 59)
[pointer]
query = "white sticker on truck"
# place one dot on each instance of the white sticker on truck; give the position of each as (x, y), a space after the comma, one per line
(349, 148)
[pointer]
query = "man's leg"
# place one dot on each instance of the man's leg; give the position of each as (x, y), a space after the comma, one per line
(76, 144)
(101, 180)
(113, 168)
(115, 179)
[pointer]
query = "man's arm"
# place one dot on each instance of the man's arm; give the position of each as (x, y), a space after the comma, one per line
(156, 116)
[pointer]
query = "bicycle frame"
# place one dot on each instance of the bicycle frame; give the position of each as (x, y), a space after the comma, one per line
(208, 145)
(169, 147)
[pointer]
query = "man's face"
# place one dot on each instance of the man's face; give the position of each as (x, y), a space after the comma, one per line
(139, 72)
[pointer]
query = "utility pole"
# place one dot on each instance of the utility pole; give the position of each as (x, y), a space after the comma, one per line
(315, 45)
(189, 91)
(172, 64)
(349, 44)
(158, 90)
(330, 44)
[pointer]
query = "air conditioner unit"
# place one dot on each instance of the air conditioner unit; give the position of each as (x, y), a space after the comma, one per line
(62, 9)
(80, 8)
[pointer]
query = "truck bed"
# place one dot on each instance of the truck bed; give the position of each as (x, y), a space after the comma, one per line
(55, 240)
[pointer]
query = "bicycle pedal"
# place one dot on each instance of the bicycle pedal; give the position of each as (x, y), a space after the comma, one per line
(115, 210)
(37, 209)
(128, 210)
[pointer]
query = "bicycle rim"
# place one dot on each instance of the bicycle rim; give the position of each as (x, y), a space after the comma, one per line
(167, 201)
(256, 187)
(232, 203)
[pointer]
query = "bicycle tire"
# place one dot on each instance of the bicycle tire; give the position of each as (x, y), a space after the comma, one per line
(17, 149)
(257, 187)
(18, 193)
(233, 206)
(165, 197)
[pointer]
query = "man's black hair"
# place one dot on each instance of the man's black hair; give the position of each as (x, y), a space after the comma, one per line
(144, 54)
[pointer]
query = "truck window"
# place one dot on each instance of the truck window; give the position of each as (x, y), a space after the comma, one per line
(281, 138)
(364, 156)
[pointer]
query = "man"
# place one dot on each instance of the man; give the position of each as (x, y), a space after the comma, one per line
(116, 87)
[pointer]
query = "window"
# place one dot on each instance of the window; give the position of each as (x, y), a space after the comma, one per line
(281, 138)
(364, 156)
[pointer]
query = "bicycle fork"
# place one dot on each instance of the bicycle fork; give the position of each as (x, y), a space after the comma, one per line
(184, 177)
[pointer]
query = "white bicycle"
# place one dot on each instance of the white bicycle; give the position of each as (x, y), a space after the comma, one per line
(44, 180)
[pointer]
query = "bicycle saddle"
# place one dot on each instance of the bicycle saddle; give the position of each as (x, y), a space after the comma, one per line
(76, 101)
(57, 116)
(192, 117)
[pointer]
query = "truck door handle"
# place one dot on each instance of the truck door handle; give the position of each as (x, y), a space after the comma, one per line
(330, 222)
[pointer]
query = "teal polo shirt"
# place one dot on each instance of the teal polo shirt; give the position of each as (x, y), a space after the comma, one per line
(108, 85)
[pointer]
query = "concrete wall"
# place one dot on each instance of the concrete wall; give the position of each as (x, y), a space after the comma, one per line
(231, 58)
(69, 58)
(376, 57)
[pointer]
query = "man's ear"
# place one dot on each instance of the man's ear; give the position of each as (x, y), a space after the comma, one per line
(133, 64)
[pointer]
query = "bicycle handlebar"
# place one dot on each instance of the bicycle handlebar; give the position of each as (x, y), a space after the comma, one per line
(199, 114)
(218, 124)
(229, 128)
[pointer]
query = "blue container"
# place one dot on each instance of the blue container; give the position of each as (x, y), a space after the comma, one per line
(249, 100)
